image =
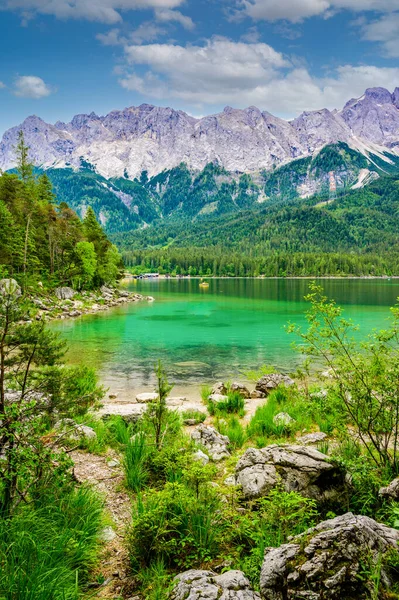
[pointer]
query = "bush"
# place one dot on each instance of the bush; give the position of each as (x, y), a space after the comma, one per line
(234, 404)
(234, 430)
(175, 526)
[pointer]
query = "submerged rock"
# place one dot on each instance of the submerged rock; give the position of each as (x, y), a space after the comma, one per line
(215, 443)
(327, 561)
(268, 383)
(206, 585)
(297, 468)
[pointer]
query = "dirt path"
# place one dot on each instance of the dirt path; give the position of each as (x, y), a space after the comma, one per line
(106, 475)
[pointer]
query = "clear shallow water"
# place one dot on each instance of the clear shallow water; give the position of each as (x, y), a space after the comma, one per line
(203, 335)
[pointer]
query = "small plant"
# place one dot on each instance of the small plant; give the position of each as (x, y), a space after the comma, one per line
(134, 462)
(234, 404)
(195, 415)
(206, 391)
(234, 430)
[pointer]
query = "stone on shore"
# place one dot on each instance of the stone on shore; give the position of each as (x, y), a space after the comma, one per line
(299, 469)
(268, 383)
(283, 419)
(147, 397)
(64, 293)
(10, 287)
(391, 490)
(241, 389)
(130, 413)
(214, 442)
(312, 438)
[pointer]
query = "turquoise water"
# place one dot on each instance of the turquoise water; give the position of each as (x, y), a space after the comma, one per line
(203, 335)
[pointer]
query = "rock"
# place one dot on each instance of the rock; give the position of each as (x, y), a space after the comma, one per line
(391, 491)
(130, 413)
(112, 396)
(123, 294)
(215, 443)
(327, 561)
(257, 394)
(240, 389)
(113, 463)
(107, 535)
(175, 400)
(73, 431)
(312, 438)
(150, 299)
(217, 398)
(75, 313)
(144, 398)
(267, 383)
(201, 457)
(219, 388)
(190, 422)
(37, 302)
(10, 287)
(64, 293)
(230, 481)
(106, 290)
(297, 468)
(283, 419)
(206, 585)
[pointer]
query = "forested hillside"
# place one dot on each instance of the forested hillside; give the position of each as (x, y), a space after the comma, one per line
(358, 233)
(43, 240)
(121, 204)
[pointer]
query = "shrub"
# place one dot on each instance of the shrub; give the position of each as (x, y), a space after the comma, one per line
(234, 430)
(176, 527)
(234, 404)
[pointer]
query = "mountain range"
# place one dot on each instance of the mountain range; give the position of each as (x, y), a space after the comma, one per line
(145, 163)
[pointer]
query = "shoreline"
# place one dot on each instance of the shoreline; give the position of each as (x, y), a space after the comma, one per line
(260, 277)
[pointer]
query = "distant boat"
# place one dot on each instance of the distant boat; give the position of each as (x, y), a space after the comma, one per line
(204, 284)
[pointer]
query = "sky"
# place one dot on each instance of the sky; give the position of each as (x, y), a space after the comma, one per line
(59, 58)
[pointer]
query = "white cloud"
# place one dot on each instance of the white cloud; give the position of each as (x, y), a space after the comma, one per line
(166, 15)
(385, 31)
(111, 38)
(297, 10)
(30, 86)
(225, 72)
(104, 11)
(2, 85)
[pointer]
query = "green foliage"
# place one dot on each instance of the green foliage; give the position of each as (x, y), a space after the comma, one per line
(234, 431)
(364, 375)
(46, 550)
(234, 404)
(157, 415)
(195, 415)
(175, 526)
(256, 374)
(134, 462)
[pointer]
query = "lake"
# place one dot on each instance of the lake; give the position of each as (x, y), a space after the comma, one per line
(204, 335)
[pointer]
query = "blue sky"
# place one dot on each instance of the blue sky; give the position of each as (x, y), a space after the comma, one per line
(63, 57)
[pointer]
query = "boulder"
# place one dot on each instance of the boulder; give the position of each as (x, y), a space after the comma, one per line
(206, 585)
(75, 432)
(312, 438)
(219, 388)
(64, 293)
(240, 389)
(268, 383)
(283, 419)
(300, 469)
(391, 491)
(106, 291)
(257, 394)
(10, 287)
(201, 457)
(130, 413)
(215, 443)
(217, 398)
(144, 398)
(327, 561)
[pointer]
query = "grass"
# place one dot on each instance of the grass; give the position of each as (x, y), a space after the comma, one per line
(196, 415)
(47, 551)
(234, 430)
(233, 405)
(134, 462)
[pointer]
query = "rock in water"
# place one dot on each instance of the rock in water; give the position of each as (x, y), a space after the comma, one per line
(268, 383)
(215, 443)
(10, 287)
(64, 293)
(297, 468)
(206, 585)
(327, 561)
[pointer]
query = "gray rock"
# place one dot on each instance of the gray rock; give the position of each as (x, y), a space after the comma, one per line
(391, 490)
(297, 468)
(10, 287)
(206, 585)
(219, 388)
(130, 413)
(201, 457)
(217, 398)
(113, 463)
(64, 293)
(255, 394)
(148, 397)
(75, 432)
(312, 438)
(283, 419)
(107, 535)
(106, 291)
(215, 443)
(326, 562)
(268, 383)
(241, 389)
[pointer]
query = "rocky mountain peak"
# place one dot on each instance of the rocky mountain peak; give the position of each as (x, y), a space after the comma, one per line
(151, 138)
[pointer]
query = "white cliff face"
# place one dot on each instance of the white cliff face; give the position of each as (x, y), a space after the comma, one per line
(148, 138)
